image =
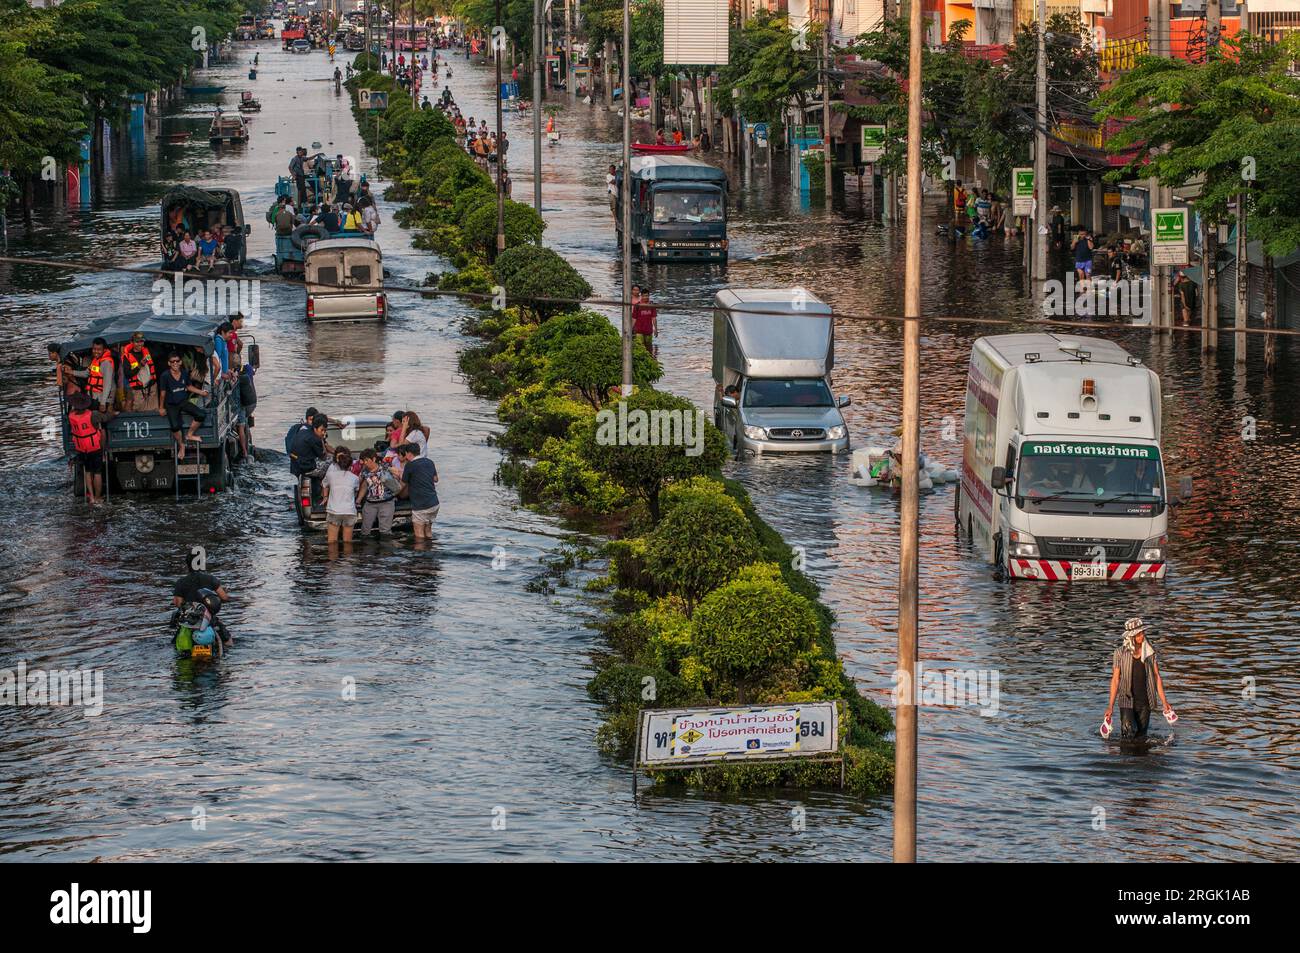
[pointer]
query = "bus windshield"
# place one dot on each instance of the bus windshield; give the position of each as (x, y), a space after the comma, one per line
(788, 392)
(692, 206)
(1096, 472)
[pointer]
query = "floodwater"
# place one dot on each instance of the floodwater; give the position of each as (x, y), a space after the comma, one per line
(395, 702)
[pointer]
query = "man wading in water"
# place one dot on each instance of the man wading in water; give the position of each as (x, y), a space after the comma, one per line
(1137, 686)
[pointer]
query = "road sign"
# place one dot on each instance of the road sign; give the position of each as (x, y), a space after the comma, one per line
(1022, 191)
(1169, 236)
(873, 143)
(687, 738)
(372, 99)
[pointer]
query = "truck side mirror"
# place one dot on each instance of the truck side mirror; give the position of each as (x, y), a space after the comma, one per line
(844, 400)
(255, 355)
(1184, 492)
(1000, 480)
(248, 229)
(729, 402)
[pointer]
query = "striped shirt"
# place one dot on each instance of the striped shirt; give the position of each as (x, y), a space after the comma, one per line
(1124, 660)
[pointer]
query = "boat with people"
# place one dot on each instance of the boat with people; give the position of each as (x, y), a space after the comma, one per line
(187, 212)
(118, 362)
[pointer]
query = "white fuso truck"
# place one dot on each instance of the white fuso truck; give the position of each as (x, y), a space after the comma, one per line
(1062, 477)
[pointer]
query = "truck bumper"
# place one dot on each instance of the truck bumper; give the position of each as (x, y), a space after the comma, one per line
(686, 254)
(795, 446)
(1058, 570)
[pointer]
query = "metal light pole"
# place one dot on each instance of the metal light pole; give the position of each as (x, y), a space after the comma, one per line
(826, 106)
(537, 108)
(498, 45)
(627, 200)
(1043, 201)
(908, 560)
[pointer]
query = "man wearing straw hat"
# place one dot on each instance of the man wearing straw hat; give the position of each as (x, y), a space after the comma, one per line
(1137, 686)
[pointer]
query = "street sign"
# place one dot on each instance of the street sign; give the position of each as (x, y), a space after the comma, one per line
(873, 143)
(686, 738)
(1169, 236)
(1022, 191)
(378, 101)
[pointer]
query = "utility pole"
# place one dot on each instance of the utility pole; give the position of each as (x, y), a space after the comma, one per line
(1210, 233)
(1243, 280)
(498, 47)
(1042, 190)
(537, 109)
(627, 200)
(890, 180)
(1159, 196)
(908, 557)
(826, 106)
(415, 89)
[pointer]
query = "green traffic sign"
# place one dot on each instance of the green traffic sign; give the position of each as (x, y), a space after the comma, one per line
(1171, 226)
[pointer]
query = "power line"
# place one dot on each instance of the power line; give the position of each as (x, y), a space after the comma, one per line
(682, 308)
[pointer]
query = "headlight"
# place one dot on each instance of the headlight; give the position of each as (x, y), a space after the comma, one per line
(837, 433)
(1153, 550)
(755, 433)
(1023, 545)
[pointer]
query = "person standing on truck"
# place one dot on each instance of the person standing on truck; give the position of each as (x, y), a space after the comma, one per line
(1135, 681)
(285, 220)
(141, 376)
(298, 170)
(102, 380)
(175, 386)
(86, 426)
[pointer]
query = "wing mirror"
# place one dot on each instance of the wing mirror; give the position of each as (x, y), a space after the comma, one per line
(1001, 480)
(845, 400)
(729, 402)
(1184, 494)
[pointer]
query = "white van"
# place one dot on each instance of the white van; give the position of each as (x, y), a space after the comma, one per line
(1062, 477)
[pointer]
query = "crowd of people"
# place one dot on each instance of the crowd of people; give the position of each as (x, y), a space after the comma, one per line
(366, 487)
(110, 380)
(186, 248)
(328, 193)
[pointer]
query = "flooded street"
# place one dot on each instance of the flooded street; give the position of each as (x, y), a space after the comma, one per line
(470, 692)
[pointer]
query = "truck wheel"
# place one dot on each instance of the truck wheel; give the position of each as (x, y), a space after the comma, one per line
(1000, 568)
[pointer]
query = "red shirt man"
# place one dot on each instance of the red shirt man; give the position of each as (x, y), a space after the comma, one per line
(645, 318)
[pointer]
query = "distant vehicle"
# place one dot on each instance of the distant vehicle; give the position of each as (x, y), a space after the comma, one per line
(679, 209)
(355, 42)
(192, 210)
(247, 28)
(1062, 477)
(345, 280)
(356, 433)
(228, 127)
(247, 103)
(301, 46)
(778, 347)
(140, 453)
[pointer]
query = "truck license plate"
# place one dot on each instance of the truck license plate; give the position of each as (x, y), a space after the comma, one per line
(1082, 572)
(190, 469)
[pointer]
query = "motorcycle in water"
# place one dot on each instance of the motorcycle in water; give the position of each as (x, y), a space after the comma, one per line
(196, 635)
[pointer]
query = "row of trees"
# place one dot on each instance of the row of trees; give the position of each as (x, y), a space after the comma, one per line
(69, 69)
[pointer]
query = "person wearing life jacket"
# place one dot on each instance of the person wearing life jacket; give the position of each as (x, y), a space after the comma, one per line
(86, 426)
(140, 373)
(103, 375)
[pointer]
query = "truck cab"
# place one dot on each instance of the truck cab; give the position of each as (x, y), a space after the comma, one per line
(1063, 477)
(773, 350)
(679, 209)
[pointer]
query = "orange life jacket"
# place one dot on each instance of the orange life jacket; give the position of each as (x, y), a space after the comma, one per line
(133, 364)
(95, 382)
(86, 437)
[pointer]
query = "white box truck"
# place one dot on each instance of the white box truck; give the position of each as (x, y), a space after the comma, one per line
(1062, 477)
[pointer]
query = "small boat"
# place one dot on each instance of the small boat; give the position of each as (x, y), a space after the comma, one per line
(247, 104)
(652, 148)
(870, 470)
(204, 90)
